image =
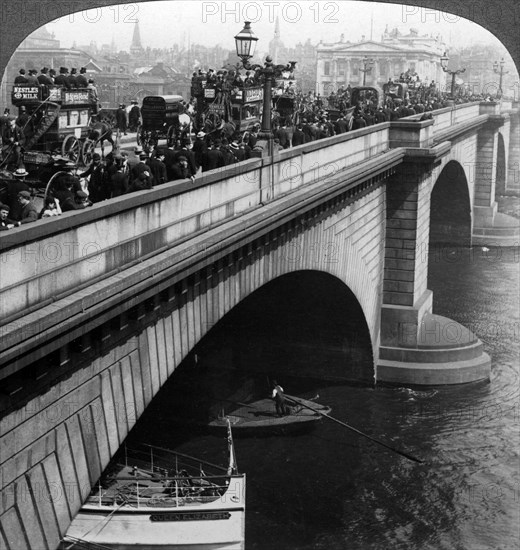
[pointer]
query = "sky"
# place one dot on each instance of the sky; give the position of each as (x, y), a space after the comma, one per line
(209, 23)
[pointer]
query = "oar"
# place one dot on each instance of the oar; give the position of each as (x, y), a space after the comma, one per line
(406, 455)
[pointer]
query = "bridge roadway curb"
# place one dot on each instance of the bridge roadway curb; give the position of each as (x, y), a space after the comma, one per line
(53, 325)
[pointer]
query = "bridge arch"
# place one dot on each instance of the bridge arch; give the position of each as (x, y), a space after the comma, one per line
(450, 208)
(305, 323)
(304, 327)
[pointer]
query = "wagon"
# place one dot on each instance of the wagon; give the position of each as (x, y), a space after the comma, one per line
(162, 117)
(240, 106)
(58, 117)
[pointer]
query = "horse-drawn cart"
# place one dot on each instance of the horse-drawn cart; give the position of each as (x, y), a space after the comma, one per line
(163, 117)
(55, 118)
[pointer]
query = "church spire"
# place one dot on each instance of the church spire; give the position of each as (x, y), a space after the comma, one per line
(136, 46)
(276, 43)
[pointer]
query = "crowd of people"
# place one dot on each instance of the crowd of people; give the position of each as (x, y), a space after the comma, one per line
(49, 77)
(118, 173)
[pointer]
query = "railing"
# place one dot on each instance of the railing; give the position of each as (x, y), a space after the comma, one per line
(160, 478)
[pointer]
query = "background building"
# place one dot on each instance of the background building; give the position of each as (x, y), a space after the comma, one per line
(341, 63)
(39, 49)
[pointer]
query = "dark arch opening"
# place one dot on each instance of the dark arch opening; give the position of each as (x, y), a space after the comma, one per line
(450, 208)
(305, 329)
(501, 169)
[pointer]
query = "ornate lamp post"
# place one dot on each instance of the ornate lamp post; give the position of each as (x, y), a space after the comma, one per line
(501, 72)
(245, 42)
(367, 67)
(444, 64)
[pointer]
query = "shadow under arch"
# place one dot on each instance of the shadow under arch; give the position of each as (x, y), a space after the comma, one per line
(304, 329)
(501, 168)
(450, 208)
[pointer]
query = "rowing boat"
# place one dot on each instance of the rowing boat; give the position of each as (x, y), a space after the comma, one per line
(260, 418)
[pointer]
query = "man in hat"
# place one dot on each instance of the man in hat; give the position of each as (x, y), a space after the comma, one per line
(140, 174)
(52, 75)
(12, 188)
(65, 191)
(134, 116)
(181, 169)
(359, 121)
(298, 136)
(200, 147)
(229, 157)
(279, 399)
(29, 213)
(237, 151)
(283, 135)
(21, 78)
(98, 188)
(121, 119)
(62, 79)
(81, 200)
(379, 115)
(6, 222)
(12, 138)
(43, 77)
(72, 78)
(32, 79)
(186, 151)
(26, 124)
(81, 79)
(213, 157)
(119, 174)
(157, 167)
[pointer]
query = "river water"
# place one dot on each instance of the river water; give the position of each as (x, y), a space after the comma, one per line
(332, 489)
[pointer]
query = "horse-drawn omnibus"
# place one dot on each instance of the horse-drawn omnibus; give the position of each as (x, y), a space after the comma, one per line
(241, 107)
(57, 118)
(162, 117)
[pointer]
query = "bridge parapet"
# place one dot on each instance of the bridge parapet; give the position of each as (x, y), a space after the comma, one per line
(44, 262)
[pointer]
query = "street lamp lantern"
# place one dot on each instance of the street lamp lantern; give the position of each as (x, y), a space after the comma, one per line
(444, 61)
(501, 72)
(444, 65)
(245, 42)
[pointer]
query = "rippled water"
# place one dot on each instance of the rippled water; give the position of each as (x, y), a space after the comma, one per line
(332, 489)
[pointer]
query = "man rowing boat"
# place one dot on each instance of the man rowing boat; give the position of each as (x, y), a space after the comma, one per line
(281, 407)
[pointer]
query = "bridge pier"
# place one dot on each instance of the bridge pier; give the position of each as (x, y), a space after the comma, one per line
(512, 183)
(489, 226)
(417, 347)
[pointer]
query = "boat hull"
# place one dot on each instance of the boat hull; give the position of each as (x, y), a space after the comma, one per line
(260, 419)
(217, 525)
(214, 530)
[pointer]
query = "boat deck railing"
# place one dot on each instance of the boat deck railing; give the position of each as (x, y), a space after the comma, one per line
(155, 477)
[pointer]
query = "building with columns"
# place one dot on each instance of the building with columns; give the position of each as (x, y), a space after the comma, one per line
(342, 63)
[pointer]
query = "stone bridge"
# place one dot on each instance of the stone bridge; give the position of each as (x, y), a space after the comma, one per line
(101, 306)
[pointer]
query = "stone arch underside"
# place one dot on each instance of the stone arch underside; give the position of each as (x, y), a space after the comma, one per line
(450, 208)
(303, 329)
